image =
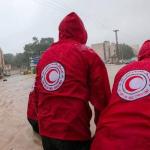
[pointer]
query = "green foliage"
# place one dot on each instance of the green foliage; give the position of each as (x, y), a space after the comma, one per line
(35, 48)
(17, 60)
(20, 60)
(126, 52)
(9, 58)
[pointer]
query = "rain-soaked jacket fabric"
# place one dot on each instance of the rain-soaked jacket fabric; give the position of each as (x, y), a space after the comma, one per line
(31, 113)
(144, 51)
(32, 107)
(69, 75)
(125, 123)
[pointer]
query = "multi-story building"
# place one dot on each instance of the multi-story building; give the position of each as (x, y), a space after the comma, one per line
(106, 50)
(99, 49)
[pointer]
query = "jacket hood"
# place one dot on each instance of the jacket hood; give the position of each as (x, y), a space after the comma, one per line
(144, 51)
(72, 27)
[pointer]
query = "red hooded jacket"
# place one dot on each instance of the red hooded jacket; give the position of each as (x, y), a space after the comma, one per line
(125, 123)
(69, 75)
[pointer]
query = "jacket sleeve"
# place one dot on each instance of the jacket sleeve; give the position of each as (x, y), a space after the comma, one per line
(33, 101)
(99, 85)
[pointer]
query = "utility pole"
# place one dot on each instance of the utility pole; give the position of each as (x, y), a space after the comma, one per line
(117, 48)
(104, 51)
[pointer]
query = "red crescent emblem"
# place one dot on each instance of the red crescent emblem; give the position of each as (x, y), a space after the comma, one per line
(127, 83)
(134, 85)
(52, 76)
(48, 76)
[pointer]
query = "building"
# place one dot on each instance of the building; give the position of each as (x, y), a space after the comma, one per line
(106, 50)
(1, 62)
(7, 70)
(135, 49)
(98, 48)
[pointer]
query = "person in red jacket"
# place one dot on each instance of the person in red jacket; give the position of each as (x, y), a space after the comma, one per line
(32, 110)
(125, 123)
(69, 76)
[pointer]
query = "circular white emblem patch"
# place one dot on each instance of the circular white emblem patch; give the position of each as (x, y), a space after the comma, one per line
(134, 85)
(53, 76)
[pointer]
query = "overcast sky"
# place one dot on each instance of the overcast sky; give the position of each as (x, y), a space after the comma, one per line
(20, 20)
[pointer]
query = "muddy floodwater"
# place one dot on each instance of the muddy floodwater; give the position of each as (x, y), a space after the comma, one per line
(15, 131)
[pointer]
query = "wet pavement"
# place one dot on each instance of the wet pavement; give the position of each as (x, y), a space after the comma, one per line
(15, 131)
